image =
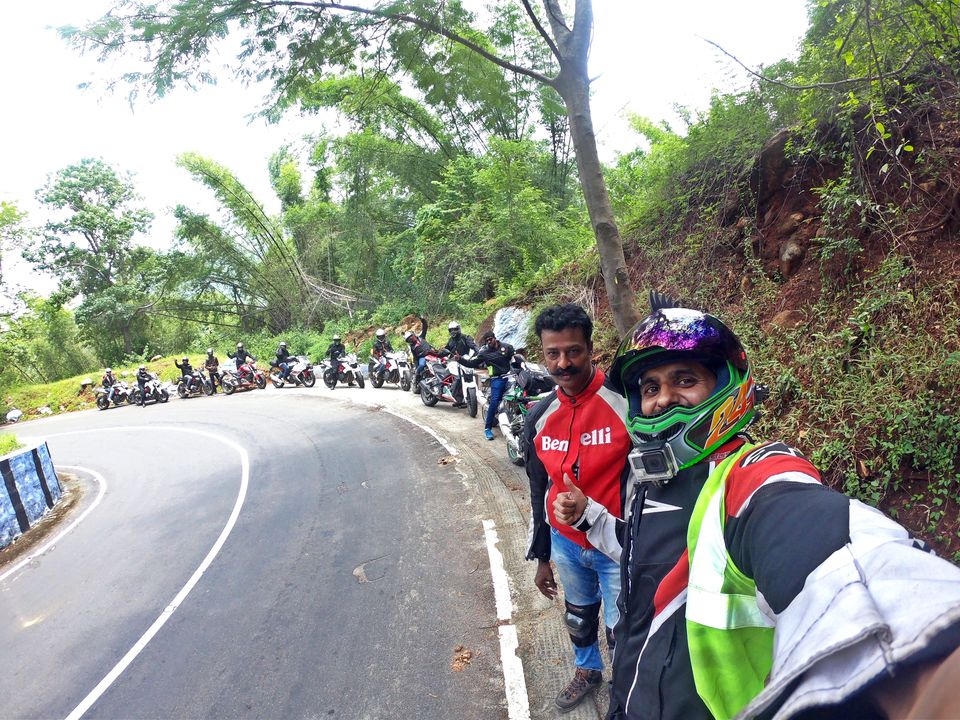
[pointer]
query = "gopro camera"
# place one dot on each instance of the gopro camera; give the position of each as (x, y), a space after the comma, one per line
(653, 463)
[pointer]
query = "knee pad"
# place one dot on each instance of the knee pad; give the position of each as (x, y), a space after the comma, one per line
(582, 621)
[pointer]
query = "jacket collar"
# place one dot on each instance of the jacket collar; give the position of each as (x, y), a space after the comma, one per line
(588, 392)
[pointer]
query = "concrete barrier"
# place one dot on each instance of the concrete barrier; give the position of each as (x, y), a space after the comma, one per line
(30, 490)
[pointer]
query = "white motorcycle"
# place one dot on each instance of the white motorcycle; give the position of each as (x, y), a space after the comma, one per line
(439, 382)
(153, 390)
(396, 370)
(300, 374)
(347, 371)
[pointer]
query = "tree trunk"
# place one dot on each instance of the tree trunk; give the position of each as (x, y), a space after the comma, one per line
(572, 48)
(574, 87)
(127, 341)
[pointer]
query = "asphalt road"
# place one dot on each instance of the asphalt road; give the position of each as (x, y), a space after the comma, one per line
(351, 580)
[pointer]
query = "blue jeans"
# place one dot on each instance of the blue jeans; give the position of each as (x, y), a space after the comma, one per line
(498, 386)
(285, 369)
(586, 576)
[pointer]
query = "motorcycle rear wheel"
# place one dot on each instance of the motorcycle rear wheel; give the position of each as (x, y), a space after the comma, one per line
(207, 388)
(360, 381)
(376, 380)
(405, 382)
(164, 396)
(330, 379)
(472, 402)
(427, 396)
(277, 381)
(182, 391)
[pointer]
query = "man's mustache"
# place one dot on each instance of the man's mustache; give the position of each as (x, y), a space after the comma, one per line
(567, 372)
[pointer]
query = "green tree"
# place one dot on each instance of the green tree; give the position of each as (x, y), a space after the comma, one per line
(249, 260)
(295, 43)
(89, 249)
(12, 229)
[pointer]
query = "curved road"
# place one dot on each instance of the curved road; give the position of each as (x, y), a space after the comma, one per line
(354, 582)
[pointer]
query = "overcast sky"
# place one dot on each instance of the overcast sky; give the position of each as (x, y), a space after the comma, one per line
(647, 57)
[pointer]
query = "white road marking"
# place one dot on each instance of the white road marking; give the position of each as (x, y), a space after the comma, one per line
(59, 536)
(171, 608)
(518, 704)
(430, 431)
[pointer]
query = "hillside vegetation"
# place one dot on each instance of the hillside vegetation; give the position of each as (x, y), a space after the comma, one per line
(816, 211)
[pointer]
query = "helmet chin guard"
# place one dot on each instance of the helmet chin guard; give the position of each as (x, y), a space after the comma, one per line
(675, 334)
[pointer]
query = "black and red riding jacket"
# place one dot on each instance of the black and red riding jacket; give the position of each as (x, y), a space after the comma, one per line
(584, 437)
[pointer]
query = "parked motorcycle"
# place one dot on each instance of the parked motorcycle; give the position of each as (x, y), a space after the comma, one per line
(527, 385)
(300, 374)
(153, 391)
(439, 382)
(396, 370)
(121, 395)
(347, 371)
(247, 377)
(193, 385)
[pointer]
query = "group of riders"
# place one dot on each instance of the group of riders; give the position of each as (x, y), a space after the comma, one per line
(191, 378)
(460, 346)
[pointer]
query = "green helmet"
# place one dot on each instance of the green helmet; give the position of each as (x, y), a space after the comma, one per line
(671, 335)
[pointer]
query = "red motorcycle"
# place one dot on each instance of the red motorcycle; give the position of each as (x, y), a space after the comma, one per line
(248, 377)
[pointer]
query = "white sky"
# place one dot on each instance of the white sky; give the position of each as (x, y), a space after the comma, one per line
(646, 57)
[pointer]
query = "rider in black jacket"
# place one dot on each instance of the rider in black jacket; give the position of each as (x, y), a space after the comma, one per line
(240, 357)
(283, 361)
(186, 371)
(143, 377)
(212, 365)
(497, 357)
(336, 349)
(419, 348)
(381, 346)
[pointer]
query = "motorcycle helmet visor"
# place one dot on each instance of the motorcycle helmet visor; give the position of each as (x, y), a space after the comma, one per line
(673, 333)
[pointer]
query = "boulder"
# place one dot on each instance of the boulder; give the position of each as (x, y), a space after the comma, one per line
(786, 319)
(155, 358)
(14, 415)
(45, 410)
(791, 257)
(789, 226)
(86, 383)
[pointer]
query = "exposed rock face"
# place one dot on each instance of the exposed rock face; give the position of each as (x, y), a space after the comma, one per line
(771, 168)
(511, 325)
(791, 257)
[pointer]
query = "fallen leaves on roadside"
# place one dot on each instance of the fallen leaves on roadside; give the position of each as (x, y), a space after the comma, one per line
(461, 658)
(446, 460)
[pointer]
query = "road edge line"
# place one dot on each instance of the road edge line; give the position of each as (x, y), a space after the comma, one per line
(515, 685)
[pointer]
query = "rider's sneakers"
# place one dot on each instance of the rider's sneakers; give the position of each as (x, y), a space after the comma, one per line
(488, 433)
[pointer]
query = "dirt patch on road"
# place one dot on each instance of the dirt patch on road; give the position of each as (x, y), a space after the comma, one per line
(38, 534)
